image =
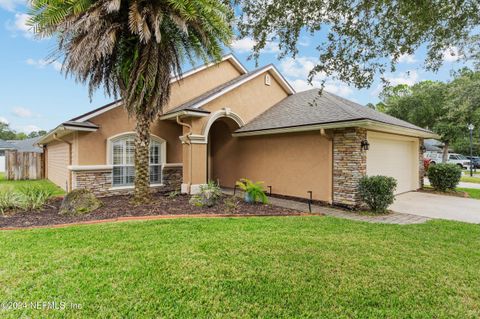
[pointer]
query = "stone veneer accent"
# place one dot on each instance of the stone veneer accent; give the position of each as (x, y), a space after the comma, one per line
(100, 181)
(349, 165)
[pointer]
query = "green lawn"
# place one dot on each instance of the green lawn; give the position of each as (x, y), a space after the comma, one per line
(246, 267)
(469, 179)
(472, 192)
(5, 185)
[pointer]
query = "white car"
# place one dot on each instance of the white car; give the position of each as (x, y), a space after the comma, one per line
(458, 159)
(453, 158)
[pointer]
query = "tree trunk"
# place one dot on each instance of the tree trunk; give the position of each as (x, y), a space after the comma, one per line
(445, 152)
(142, 160)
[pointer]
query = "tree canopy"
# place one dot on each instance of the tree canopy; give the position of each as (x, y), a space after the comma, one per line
(362, 38)
(445, 108)
(7, 133)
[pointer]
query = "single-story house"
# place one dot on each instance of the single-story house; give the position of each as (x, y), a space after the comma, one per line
(223, 123)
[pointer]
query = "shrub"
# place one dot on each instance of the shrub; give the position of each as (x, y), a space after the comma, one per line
(377, 192)
(253, 191)
(444, 177)
(208, 196)
(9, 200)
(79, 202)
(231, 204)
(33, 197)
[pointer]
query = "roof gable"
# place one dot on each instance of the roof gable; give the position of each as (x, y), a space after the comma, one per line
(198, 102)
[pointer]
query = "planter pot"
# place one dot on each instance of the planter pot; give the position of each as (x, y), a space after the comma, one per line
(248, 198)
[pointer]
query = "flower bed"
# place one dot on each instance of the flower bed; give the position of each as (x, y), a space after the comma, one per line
(120, 206)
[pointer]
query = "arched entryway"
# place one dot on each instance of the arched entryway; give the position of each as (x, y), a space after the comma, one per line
(222, 150)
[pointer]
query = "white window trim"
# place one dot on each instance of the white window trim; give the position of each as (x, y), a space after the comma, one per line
(162, 160)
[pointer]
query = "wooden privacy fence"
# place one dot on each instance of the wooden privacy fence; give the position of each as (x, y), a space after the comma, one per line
(24, 165)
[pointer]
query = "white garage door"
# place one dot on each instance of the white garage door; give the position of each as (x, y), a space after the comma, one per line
(395, 156)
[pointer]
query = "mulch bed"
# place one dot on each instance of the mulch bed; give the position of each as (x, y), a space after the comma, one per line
(120, 206)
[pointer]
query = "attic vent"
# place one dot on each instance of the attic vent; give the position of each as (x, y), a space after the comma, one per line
(267, 80)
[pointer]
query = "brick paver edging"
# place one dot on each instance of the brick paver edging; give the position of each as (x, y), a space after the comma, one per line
(157, 217)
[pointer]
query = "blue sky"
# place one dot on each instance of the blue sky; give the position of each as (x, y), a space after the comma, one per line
(35, 95)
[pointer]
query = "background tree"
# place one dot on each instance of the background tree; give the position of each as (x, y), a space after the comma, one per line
(363, 38)
(463, 103)
(133, 47)
(6, 133)
(445, 108)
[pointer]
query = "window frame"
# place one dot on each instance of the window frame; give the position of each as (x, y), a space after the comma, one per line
(162, 149)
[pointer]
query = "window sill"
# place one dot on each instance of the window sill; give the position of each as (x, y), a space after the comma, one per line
(114, 188)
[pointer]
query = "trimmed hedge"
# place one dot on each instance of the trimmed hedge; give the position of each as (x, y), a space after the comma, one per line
(444, 177)
(377, 192)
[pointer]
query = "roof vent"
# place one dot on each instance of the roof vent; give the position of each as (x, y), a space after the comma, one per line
(268, 81)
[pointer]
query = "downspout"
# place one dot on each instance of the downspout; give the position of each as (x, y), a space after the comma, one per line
(330, 138)
(55, 137)
(185, 138)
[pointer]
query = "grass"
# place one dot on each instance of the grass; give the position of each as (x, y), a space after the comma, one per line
(317, 267)
(469, 179)
(43, 183)
(472, 192)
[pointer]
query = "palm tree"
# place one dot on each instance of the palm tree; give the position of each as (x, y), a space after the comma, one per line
(132, 48)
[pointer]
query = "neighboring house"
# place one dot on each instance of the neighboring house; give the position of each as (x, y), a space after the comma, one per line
(4, 146)
(22, 159)
(224, 123)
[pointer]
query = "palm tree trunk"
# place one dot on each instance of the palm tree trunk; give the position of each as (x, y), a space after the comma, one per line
(142, 161)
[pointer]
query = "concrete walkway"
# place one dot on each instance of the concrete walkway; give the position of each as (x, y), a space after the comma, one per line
(392, 218)
(438, 206)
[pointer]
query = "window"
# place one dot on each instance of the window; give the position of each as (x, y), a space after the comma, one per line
(123, 160)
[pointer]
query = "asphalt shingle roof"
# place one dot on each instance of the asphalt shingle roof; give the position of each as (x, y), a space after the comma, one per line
(27, 145)
(5, 145)
(310, 108)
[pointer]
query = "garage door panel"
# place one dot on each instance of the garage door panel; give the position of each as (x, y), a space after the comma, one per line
(394, 157)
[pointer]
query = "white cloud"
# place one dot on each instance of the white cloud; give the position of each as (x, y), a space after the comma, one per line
(409, 78)
(22, 112)
(246, 45)
(451, 54)
(41, 64)
(19, 25)
(334, 87)
(407, 59)
(299, 67)
(10, 5)
(29, 128)
(4, 120)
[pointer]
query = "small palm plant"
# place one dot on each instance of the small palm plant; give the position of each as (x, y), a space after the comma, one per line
(253, 191)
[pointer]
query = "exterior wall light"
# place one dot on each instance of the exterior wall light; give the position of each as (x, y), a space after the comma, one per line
(364, 145)
(423, 148)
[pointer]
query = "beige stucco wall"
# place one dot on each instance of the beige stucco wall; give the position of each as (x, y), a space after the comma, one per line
(117, 121)
(201, 82)
(248, 100)
(57, 162)
(291, 163)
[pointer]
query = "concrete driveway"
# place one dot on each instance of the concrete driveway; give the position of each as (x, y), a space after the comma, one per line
(438, 206)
